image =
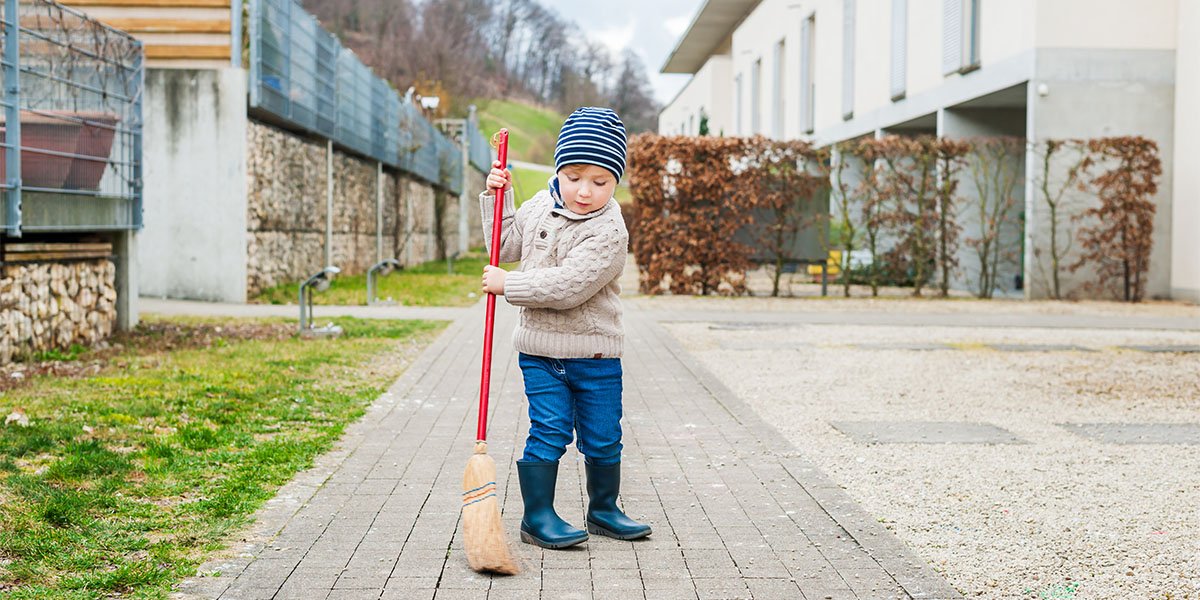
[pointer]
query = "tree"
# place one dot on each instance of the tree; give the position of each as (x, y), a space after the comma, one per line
(995, 170)
(480, 48)
(787, 177)
(1053, 192)
(632, 97)
(950, 162)
(911, 184)
(1121, 236)
(873, 213)
(841, 157)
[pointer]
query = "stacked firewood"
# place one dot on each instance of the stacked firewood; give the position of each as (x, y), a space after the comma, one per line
(45, 306)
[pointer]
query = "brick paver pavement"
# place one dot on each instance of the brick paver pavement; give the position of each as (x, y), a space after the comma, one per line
(737, 513)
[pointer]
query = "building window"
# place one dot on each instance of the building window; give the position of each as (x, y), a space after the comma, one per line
(691, 125)
(899, 49)
(848, 17)
(808, 62)
(737, 105)
(778, 101)
(756, 98)
(960, 36)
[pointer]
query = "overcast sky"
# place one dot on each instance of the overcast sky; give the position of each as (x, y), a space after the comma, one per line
(650, 27)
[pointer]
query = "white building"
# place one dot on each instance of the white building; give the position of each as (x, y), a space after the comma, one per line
(836, 70)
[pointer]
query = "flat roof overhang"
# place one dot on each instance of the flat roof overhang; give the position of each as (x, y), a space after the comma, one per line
(715, 20)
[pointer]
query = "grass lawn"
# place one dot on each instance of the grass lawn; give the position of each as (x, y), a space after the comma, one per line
(532, 130)
(428, 284)
(527, 182)
(131, 472)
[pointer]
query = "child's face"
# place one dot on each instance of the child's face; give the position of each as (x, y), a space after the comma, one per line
(585, 188)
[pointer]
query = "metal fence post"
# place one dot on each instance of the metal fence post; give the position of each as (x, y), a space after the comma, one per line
(12, 98)
(255, 53)
(463, 195)
(329, 202)
(235, 34)
(378, 211)
(139, 127)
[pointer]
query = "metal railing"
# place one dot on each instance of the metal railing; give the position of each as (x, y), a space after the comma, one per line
(300, 74)
(72, 121)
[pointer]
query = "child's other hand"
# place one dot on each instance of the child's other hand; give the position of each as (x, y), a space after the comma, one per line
(493, 280)
(499, 178)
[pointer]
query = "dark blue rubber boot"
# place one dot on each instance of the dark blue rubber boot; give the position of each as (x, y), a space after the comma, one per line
(604, 517)
(541, 526)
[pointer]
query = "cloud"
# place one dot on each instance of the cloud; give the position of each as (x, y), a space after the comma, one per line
(617, 39)
(677, 25)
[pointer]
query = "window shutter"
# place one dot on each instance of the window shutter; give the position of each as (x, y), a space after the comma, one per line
(756, 98)
(952, 36)
(899, 48)
(806, 75)
(971, 44)
(777, 102)
(737, 106)
(848, 17)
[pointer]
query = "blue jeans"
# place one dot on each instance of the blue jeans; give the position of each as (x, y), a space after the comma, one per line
(569, 396)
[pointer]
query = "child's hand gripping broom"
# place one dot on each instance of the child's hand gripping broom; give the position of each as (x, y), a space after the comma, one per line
(483, 531)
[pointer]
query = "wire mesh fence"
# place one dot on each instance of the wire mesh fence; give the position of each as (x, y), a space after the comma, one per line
(479, 147)
(301, 75)
(73, 107)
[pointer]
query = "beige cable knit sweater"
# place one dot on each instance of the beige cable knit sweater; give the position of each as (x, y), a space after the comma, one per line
(567, 284)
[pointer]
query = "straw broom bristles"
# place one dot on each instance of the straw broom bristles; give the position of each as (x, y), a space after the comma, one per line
(483, 531)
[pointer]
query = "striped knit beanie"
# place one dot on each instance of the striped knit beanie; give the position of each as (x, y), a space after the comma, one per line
(593, 136)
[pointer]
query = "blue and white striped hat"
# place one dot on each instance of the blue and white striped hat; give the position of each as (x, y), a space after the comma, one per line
(593, 136)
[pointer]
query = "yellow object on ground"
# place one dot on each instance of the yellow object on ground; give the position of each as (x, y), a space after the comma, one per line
(833, 265)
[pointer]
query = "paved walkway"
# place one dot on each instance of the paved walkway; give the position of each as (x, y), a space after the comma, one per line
(736, 512)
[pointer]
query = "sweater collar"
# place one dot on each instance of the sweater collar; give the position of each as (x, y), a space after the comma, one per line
(562, 210)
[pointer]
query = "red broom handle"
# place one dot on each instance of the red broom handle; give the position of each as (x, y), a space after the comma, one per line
(498, 214)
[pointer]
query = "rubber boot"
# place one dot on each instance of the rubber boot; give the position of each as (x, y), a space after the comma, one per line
(603, 516)
(541, 526)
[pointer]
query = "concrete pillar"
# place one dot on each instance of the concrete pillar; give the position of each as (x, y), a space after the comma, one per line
(125, 248)
(194, 244)
(1185, 220)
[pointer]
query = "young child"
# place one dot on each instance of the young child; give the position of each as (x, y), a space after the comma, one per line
(571, 242)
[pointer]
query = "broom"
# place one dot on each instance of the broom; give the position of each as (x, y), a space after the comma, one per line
(483, 532)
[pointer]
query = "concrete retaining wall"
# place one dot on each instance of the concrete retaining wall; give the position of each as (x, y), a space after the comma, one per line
(194, 242)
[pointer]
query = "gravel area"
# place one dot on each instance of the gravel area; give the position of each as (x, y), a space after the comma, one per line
(1056, 516)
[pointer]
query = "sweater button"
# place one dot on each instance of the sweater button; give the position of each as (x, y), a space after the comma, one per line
(542, 234)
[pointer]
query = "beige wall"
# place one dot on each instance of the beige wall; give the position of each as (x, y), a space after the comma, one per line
(711, 89)
(1006, 31)
(1143, 25)
(1185, 218)
(1010, 29)
(755, 39)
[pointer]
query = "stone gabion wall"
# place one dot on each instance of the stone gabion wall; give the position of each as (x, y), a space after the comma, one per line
(286, 210)
(54, 305)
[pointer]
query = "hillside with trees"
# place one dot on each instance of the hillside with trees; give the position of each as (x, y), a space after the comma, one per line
(463, 50)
